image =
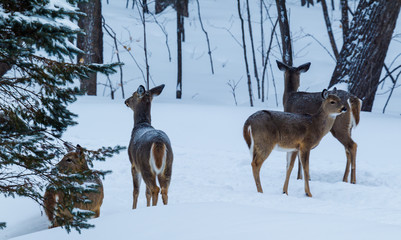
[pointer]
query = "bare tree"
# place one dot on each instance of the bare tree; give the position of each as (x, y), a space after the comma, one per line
(91, 42)
(329, 28)
(255, 67)
(362, 56)
(245, 56)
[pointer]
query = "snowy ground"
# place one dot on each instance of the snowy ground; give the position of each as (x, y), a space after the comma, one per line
(212, 193)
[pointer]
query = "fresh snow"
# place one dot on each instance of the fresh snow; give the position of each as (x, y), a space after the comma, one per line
(212, 193)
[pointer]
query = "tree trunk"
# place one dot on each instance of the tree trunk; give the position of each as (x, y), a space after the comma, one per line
(344, 19)
(329, 28)
(179, 50)
(362, 56)
(285, 32)
(92, 42)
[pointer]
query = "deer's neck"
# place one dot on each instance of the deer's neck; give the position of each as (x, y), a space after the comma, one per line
(322, 121)
(142, 115)
(291, 84)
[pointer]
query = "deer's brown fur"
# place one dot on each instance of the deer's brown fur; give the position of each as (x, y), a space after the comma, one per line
(149, 150)
(266, 130)
(309, 103)
(72, 162)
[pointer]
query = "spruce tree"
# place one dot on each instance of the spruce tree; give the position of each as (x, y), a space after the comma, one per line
(37, 72)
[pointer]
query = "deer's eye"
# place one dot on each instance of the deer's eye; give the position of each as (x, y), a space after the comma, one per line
(69, 160)
(332, 102)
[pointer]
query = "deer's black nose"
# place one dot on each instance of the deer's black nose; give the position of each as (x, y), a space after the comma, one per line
(344, 109)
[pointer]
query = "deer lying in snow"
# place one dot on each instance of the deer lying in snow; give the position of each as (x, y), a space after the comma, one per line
(149, 150)
(309, 103)
(73, 162)
(267, 130)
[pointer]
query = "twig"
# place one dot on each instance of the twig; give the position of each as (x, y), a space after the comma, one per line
(233, 85)
(310, 35)
(392, 88)
(112, 34)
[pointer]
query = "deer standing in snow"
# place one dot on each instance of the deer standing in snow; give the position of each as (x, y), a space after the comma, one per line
(149, 149)
(267, 130)
(72, 163)
(309, 103)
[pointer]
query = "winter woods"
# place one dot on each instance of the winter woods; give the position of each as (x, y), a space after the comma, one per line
(209, 52)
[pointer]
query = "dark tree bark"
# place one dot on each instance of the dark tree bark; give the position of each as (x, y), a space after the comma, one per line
(180, 36)
(92, 42)
(285, 31)
(329, 28)
(344, 19)
(362, 56)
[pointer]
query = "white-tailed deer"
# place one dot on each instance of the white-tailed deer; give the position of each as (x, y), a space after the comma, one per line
(267, 130)
(73, 162)
(309, 103)
(149, 149)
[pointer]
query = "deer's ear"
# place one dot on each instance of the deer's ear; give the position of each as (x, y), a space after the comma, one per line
(325, 94)
(79, 150)
(282, 66)
(303, 68)
(156, 90)
(141, 90)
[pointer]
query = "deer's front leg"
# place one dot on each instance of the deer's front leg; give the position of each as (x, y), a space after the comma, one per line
(291, 156)
(304, 155)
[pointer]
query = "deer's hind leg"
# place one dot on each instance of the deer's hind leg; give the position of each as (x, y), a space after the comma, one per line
(164, 182)
(259, 156)
(343, 135)
(152, 190)
(136, 179)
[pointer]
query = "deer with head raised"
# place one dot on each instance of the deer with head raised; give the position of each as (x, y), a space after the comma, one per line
(149, 149)
(309, 103)
(265, 131)
(72, 163)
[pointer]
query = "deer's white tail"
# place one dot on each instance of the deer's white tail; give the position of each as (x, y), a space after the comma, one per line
(158, 155)
(252, 143)
(355, 109)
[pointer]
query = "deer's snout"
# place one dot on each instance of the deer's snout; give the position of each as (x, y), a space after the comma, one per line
(126, 103)
(344, 109)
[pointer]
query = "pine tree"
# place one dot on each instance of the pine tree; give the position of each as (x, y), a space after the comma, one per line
(37, 70)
